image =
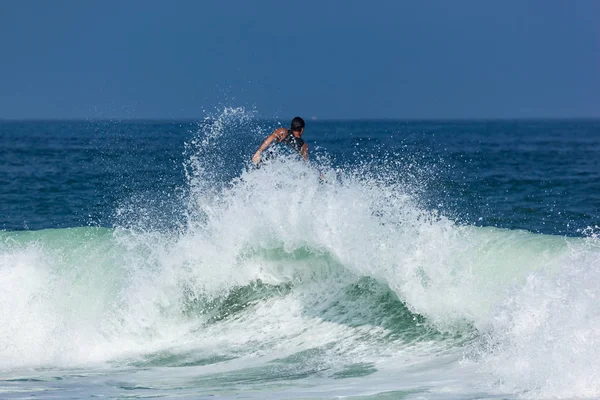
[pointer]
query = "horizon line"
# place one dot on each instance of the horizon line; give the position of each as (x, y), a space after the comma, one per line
(309, 119)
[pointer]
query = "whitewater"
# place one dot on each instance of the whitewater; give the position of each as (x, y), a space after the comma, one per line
(297, 280)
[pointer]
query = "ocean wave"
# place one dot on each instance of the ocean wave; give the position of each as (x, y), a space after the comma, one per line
(305, 265)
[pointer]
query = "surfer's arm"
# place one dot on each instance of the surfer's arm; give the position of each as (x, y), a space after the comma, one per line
(304, 151)
(276, 135)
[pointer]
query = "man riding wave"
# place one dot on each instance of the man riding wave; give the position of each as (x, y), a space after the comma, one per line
(292, 137)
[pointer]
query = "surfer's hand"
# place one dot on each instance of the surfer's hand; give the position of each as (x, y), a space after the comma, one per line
(256, 158)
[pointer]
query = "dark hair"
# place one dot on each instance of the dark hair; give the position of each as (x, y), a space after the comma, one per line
(297, 124)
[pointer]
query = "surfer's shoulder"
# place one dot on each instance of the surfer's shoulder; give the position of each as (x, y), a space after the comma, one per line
(280, 133)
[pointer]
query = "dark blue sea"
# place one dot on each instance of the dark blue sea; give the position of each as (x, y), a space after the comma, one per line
(406, 259)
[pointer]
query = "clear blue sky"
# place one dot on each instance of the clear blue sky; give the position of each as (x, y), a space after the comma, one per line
(330, 59)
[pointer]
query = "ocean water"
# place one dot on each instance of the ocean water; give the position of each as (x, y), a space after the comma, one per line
(406, 260)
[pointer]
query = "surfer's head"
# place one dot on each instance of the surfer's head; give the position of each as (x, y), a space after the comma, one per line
(297, 125)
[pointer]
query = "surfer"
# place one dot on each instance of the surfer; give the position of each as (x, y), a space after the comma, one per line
(292, 137)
